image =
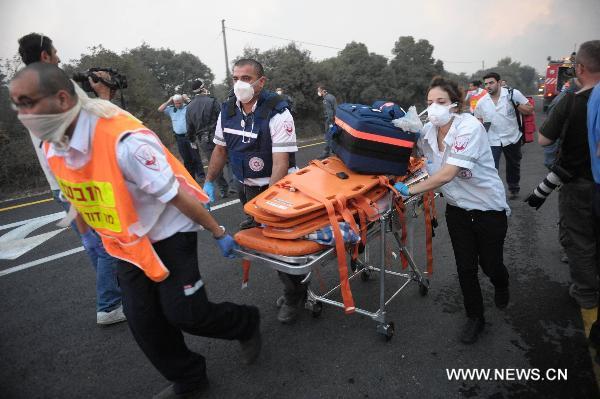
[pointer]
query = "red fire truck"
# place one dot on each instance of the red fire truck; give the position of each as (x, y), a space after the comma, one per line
(557, 73)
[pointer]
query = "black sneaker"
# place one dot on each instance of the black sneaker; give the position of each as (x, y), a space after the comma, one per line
(252, 346)
(248, 223)
(471, 330)
(501, 297)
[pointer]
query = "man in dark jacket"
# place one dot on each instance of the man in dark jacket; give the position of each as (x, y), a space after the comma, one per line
(329, 105)
(201, 119)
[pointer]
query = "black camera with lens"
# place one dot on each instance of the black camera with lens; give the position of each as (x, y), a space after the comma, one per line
(557, 176)
(116, 81)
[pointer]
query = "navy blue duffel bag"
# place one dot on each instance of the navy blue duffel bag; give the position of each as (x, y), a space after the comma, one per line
(366, 140)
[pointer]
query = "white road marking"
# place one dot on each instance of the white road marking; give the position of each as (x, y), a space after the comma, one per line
(15, 243)
(40, 261)
(57, 216)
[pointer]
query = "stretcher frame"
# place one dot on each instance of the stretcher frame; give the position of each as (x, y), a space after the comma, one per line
(388, 224)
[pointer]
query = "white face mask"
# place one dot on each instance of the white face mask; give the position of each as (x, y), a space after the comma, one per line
(51, 127)
(439, 114)
(244, 91)
(279, 92)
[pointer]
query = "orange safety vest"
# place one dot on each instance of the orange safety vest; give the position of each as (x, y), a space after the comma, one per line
(474, 99)
(100, 195)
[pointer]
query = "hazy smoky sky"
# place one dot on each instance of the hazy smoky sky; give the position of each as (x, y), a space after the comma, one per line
(465, 33)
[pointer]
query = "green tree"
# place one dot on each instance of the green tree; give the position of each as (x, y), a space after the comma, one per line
(412, 69)
(522, 77)
(360, 76)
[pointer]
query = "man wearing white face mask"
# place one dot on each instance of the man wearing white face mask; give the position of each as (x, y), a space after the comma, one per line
(256, 131)
(498, 108)
(39, 48)
(148, 211)
(461, 166)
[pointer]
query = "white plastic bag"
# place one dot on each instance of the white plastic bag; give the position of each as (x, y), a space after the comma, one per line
(410, 122)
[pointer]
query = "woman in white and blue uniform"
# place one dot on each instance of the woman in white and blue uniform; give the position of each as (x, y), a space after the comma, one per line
(461, 166)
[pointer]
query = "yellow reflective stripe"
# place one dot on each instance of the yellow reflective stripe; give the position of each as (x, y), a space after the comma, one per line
(99, 217)
(88, 193)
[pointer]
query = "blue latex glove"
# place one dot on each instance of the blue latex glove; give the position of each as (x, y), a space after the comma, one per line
(402, 189)
(227, 244)
(209, 189)
(92, 243)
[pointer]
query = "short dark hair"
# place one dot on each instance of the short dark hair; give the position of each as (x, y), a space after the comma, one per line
(476, 83)
(258, 68)
(32, 45)
(451, 87)
(322, 86)
(51, 78)
(492, 75)
(589, 55)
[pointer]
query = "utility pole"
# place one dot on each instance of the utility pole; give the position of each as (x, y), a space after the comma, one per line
(483, 65)
(225, 47)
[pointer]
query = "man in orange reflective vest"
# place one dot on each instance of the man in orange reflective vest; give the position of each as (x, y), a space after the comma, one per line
(147, 209)
(474, 94)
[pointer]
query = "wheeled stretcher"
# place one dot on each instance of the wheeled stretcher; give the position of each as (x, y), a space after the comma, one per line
(385, 239)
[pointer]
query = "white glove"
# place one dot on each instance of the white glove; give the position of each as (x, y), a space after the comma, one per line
(410, 122)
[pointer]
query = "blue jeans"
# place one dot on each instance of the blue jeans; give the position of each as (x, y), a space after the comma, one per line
(108, 293)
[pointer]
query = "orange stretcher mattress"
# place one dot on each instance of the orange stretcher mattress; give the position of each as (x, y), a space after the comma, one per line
(255, 240)
(286, 199)
(322, 220)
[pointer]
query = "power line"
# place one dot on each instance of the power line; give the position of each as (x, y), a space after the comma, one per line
(284, 38)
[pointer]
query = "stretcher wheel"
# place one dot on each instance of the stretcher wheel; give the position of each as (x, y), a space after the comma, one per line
(389, 330)
(316, 310)
(424, 287)
(365, 274)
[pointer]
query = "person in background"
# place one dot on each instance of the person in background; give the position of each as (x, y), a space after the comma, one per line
(461, 166)
(176, 108)
(474, 94)
(498, 108)
(35, 47)
(329, 106)
(286, 97)
(201, 118)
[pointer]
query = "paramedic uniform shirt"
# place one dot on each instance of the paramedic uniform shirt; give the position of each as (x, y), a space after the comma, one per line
(283, 138)
(504, 129)
(477, 185)
(148, 175)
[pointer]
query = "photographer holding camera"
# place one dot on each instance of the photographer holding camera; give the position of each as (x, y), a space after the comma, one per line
(572, 169)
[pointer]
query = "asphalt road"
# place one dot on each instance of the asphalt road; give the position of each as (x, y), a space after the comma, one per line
(50, 346)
